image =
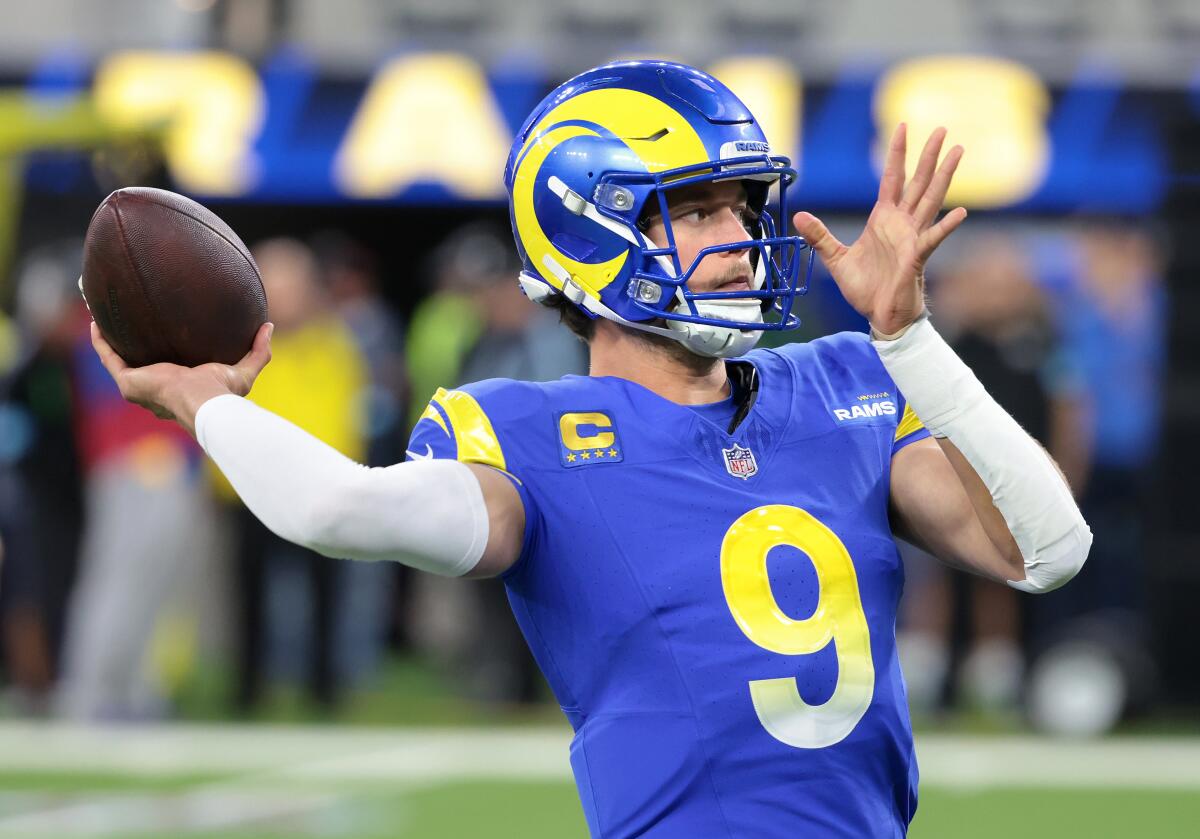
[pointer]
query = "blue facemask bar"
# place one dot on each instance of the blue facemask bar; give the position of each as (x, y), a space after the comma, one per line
(779, 256)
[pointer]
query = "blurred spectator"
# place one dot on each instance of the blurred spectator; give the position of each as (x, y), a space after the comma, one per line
(470, 623)
(145, 518)
(961, 634)
(26, 649)
(447, 323)
(24, 643)
(44, 484)
(368, 588)
(351, 273)
(519, 340)
(288, 595)
(1113, 319)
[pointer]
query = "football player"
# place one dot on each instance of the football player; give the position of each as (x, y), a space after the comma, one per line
(697, 538)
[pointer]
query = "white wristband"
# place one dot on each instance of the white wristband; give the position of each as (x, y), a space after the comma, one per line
(1025, 486)
(429, 514)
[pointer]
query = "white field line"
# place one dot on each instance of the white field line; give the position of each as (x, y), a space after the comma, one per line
(417, 757)
(316, 753)
(121, 814)
(986, 762)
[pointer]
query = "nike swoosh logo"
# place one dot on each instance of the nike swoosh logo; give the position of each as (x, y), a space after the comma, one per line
(427, 456)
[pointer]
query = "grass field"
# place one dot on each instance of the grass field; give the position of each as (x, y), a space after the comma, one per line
(237, 782)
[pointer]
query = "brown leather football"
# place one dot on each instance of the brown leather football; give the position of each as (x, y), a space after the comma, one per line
(166, 280)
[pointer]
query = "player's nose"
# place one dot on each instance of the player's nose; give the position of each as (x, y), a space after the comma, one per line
(731, 229)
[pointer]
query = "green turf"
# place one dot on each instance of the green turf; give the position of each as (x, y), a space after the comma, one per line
(495, 810)
(406, 691)
(527, 810)
(409, 692)
(1057, 814)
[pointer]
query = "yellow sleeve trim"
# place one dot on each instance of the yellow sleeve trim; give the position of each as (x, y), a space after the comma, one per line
(908, 424)
(431, 412)
(477, 442)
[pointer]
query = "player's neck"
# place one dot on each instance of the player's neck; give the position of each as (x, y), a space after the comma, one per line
(657, 364)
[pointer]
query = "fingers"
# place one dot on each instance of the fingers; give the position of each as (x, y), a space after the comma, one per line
(892, 182)
(933, 198)
(253, 362)
(819, 238)
(112, 362)
(132, 382)
(937, 234)
(925, 168)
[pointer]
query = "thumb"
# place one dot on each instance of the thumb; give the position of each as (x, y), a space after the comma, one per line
(253, 362)
(818, 237)
(113, 363)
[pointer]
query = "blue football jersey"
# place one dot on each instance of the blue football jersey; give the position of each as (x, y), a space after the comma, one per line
(714, 611)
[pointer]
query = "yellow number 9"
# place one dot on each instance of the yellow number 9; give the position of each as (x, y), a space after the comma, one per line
(838, 617)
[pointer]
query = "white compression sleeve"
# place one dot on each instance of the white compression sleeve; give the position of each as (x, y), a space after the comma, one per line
(429, 514)
(1025, 486)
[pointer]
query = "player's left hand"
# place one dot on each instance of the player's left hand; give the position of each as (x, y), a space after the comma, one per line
(882, 274)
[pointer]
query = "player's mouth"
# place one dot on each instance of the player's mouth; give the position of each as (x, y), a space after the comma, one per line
(739, 282)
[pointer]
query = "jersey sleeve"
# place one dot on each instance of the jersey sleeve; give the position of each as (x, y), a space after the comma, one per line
(455, 425)
(910, 429)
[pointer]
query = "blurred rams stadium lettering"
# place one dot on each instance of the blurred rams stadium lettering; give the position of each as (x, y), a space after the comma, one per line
(435, 127)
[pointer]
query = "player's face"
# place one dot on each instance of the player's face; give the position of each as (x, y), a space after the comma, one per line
(704, 215)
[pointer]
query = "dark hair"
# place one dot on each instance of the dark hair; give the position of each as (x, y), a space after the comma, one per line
(569, 314)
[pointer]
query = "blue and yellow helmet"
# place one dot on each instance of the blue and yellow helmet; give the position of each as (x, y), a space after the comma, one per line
(603, 149)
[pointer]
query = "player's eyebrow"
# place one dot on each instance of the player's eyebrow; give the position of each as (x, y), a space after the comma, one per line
(696, 194)
(702, 193)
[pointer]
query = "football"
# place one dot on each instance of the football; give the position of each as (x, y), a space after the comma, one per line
(166, 280)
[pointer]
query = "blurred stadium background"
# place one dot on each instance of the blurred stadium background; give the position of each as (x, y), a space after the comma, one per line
(168, 669)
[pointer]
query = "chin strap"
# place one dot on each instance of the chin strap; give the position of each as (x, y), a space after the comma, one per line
(719, 341)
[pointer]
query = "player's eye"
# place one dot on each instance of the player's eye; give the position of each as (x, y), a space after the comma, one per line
(692, 215)
(747, 218)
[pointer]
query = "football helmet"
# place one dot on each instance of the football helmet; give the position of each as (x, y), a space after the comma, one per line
(599, 154)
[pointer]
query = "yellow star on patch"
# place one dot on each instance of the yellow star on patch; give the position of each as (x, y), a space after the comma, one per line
(585, 455)
(612, 452)
(570, 458)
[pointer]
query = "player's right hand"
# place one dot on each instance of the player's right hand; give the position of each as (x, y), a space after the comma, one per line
(176, 393)
(882, 273)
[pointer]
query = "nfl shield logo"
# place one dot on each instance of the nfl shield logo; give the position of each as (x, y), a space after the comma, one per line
(739, 462)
